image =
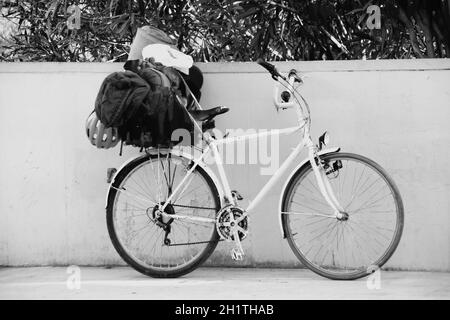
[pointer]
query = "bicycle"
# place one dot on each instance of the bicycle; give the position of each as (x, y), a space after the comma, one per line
(341, 213)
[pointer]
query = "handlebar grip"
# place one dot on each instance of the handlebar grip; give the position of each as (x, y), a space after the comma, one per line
(269, 67)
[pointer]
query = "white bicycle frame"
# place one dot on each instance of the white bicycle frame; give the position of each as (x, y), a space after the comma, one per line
(306, 141)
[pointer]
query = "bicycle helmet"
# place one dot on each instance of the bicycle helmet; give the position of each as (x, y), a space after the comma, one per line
(99, 135)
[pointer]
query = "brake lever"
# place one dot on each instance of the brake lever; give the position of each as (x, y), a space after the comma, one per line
(298, 79)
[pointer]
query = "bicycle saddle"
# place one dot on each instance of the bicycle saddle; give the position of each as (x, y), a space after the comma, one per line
(208, 114)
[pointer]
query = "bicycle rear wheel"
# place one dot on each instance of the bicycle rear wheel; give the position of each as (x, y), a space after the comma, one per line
(140, 236)
(349, 248)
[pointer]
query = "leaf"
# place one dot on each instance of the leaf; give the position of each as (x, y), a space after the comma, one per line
(248, 13)
(51, 9)
(123, 29)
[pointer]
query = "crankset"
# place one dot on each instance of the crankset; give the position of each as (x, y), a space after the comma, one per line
(226, 225)
(232, 226)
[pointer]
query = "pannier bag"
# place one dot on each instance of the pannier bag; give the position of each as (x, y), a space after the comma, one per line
(120, 96)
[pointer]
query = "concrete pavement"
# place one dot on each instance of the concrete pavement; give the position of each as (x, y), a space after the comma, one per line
(214, 283)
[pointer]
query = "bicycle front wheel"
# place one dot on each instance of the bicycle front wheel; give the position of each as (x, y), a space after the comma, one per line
(357, 244)
(154, 245)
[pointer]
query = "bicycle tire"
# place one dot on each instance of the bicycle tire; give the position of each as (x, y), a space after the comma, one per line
(128, 258)
(300, 175)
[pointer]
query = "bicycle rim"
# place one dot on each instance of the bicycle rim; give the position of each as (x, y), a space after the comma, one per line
(344, 249)
(133, 225)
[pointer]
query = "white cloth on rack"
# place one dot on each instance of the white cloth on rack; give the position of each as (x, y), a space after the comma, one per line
(168, 56)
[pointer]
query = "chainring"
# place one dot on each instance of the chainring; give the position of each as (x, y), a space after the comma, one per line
(223, 223)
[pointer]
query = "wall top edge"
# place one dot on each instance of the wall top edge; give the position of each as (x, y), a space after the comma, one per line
(239, 67)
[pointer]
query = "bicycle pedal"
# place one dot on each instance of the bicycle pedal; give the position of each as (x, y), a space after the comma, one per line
(237, 254)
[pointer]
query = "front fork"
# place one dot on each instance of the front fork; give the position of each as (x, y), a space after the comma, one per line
(324, 184)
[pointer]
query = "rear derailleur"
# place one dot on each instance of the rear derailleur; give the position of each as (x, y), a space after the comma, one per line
(162, 221)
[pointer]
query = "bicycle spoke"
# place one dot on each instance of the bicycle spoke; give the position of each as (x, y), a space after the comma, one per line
(310, 214)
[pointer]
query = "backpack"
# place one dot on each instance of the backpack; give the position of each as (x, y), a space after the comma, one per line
(120, 96)
(154, 121)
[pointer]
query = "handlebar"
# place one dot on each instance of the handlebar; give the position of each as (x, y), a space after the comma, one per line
(275, 74)
(288, 97)
(282, 100)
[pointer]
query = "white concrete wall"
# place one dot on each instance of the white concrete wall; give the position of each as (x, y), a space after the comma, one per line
(52, 181)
